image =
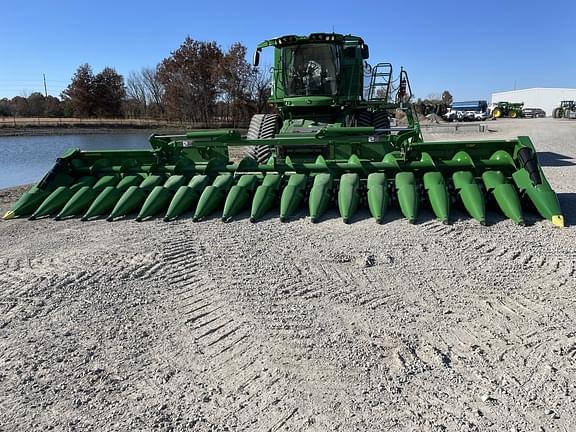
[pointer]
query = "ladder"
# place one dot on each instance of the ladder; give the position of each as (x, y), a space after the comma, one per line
(379, 90)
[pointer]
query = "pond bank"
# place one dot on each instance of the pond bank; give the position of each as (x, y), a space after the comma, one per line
(43, 131)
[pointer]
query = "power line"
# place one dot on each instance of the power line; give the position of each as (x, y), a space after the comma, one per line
(33, 80)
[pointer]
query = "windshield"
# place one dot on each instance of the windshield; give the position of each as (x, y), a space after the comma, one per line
(310, 69)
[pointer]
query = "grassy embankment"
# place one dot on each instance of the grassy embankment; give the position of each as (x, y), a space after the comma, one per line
(14, 126)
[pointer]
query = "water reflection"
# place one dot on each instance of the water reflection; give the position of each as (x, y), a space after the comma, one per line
(26, 159)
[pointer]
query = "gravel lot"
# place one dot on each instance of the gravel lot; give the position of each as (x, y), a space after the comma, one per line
(271, 326)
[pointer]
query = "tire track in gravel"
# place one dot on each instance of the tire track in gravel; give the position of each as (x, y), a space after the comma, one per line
(26, 282)
(35, 288)
(338, 278)
(18, 271)
(211, 287)
(261, 402)
(351, 287)
(518, 328)
(197, 298)
(32, 283)
(552, 264)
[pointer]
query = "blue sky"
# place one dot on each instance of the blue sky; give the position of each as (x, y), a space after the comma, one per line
(471, 48)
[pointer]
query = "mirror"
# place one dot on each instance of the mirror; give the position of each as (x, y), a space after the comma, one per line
(365, 52)
(256, 59)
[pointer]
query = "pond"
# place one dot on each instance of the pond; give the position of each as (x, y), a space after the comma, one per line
(25, 159)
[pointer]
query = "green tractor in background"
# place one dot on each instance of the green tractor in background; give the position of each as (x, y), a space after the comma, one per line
(567, 109)
(507, 109)
(333, 140)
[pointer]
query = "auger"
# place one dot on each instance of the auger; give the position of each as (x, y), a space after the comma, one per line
(329, 142)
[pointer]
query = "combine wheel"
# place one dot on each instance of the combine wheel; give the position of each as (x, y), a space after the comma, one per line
(513, 114)
(497, 113)
(364, 118)
(381, 120)
(262, 126)
(378, 119)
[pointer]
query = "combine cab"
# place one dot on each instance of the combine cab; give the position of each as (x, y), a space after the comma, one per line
(331, 141)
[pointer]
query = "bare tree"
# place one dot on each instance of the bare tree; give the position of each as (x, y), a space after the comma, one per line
(154, 89)
(136, 94)
(237, 75)
(145, 93)
(260, 87)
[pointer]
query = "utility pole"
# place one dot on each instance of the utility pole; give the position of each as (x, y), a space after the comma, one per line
(45, 89)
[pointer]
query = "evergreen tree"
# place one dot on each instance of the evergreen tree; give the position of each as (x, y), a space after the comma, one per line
(80, 93)
(108, 93)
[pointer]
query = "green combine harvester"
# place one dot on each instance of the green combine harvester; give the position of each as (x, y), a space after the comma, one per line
(331, 141)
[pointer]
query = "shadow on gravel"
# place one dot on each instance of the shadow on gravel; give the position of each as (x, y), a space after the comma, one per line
(568, 205)
(552, 159)
(493, 215)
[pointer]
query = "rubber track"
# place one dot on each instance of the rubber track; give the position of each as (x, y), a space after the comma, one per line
(262, 126)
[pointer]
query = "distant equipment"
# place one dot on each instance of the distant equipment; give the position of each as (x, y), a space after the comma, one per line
(507, 109)
(467, 111)
(567, 109)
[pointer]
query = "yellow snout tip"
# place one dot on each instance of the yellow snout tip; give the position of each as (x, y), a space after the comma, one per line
(558, 220)
(8, 215)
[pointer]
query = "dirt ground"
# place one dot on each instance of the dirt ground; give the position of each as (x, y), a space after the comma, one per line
(297, 326)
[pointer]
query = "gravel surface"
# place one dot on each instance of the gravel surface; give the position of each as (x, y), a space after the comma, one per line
(297, 326)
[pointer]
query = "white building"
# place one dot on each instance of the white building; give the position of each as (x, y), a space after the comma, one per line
(545, 98)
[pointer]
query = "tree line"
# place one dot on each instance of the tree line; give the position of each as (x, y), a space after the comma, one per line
(434, 104)
(198, 82)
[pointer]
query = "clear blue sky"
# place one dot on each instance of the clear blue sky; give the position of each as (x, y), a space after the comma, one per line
(471, 48)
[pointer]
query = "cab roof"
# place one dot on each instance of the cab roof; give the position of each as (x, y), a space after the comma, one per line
(312, 38)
